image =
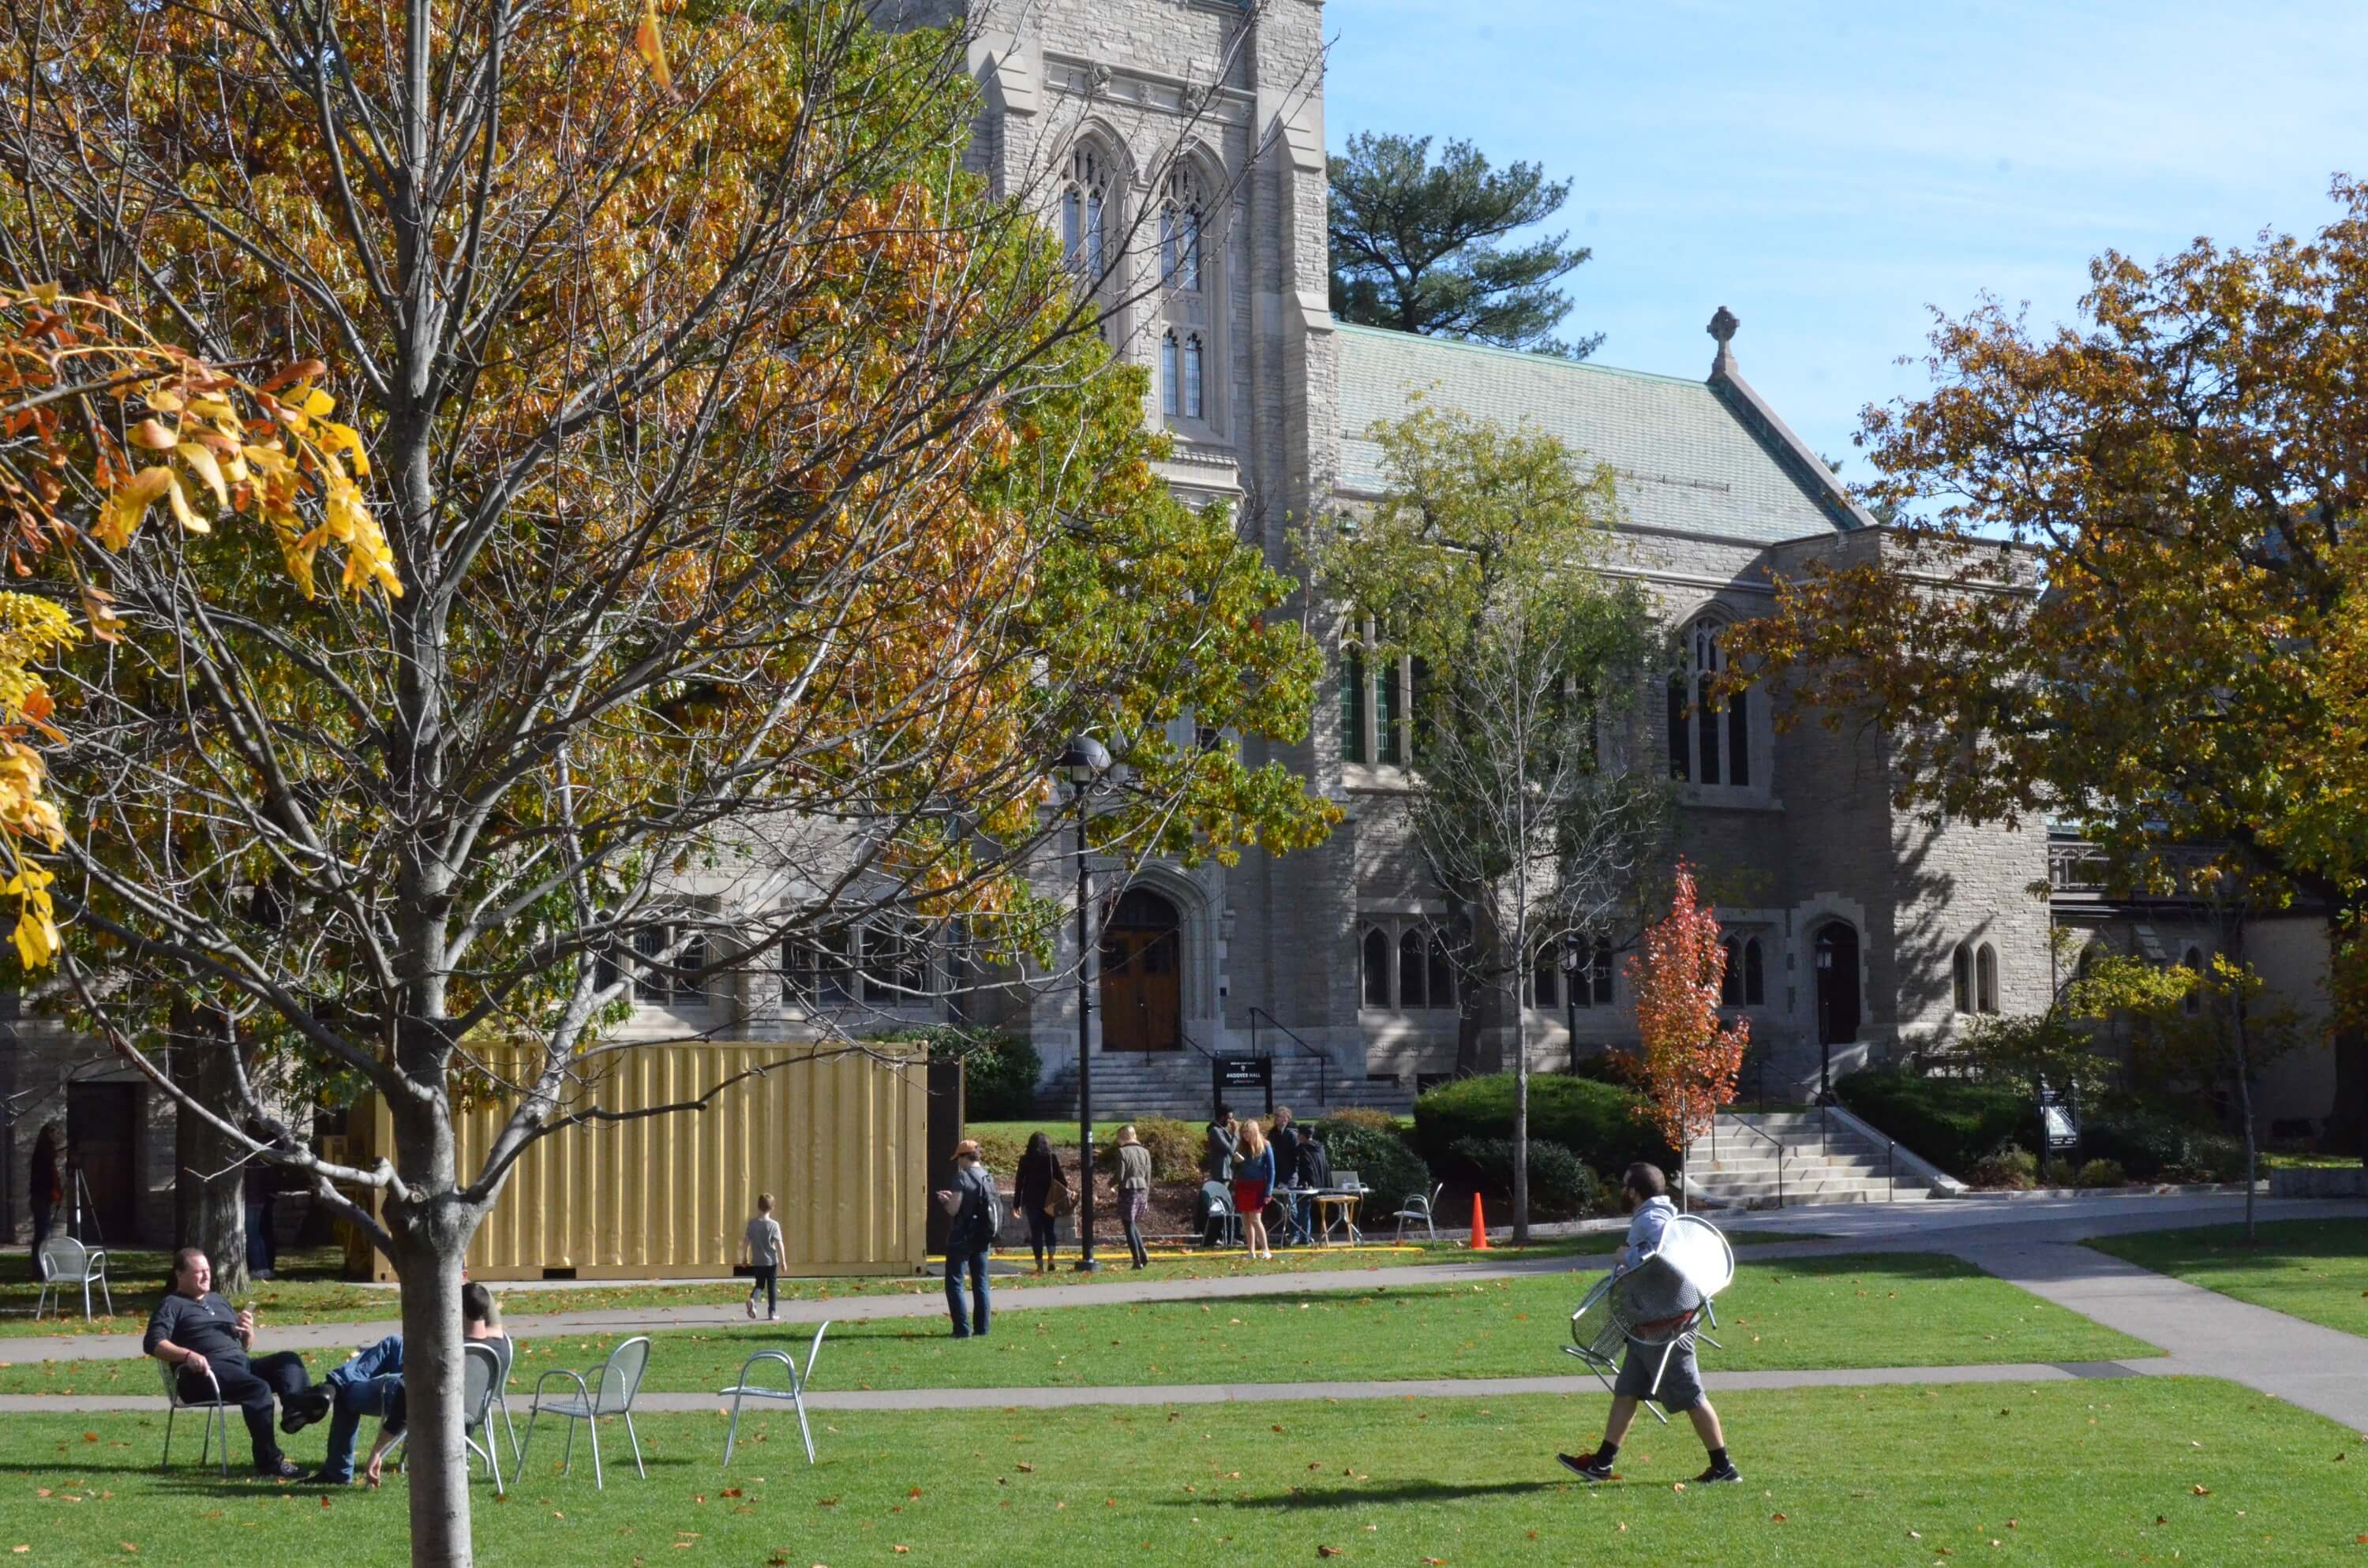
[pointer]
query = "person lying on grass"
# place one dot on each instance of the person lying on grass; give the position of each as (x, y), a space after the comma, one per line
(1644, 1192)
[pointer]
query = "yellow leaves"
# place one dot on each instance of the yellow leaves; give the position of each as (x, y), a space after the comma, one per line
(651, 46)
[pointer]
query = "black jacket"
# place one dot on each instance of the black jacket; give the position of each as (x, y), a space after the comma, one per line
(1038, 1174)
(1285, 1145)
(1315, 1164)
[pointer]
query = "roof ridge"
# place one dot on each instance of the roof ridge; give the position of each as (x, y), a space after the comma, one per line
(1555, 360)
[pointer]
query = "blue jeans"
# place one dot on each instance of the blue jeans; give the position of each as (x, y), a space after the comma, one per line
(369, 1384)
(973, 1260)
(1294, 1207)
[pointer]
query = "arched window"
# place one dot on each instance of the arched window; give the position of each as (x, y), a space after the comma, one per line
(1192, 377)
(1755, 978)
(1835, 947)
(1546, 976)
(1412, 970)
(1961, 978)
(1716, 746)
(1986, 984)
(2193, 1004)
(1377, 967)
(1602, 974)
(1443, 975)
(1170, 377)
(1730, 975)
(1083, 219)
(1179, 233)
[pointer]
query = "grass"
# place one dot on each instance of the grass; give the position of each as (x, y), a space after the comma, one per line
(1887, 1310)
(310, 1294)
(2058, 1475)
(2314, 1269)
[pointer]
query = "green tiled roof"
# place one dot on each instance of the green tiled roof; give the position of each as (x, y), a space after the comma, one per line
(1684, 460)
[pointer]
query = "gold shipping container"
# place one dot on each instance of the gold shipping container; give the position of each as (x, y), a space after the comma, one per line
(837, 1137)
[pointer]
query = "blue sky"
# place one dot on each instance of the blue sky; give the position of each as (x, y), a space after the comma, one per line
(1828, 171)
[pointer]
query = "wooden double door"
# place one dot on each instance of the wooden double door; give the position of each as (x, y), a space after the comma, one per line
(1141, 975)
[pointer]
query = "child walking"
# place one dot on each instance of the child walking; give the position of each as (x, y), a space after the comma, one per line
(764, 1245)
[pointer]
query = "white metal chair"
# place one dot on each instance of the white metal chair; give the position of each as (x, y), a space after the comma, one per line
(1418, 1211)
(795, 1393)
(1662, 1301)
(1218, 1205)
(480, 1382)
(214, 1409)
(610, 1392)
(65, 1261)
(504, 1351)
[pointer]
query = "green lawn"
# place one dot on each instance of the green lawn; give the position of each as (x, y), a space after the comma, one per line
(2315, 1269)
(2058, 1475)
(315, 1298)
(1887, 1310)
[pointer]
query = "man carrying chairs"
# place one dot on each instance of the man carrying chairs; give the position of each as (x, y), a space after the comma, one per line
(1655, 1301)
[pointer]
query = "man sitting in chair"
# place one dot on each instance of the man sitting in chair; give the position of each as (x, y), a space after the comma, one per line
(370, 1383)
(1644, 1190)
(195, 1331)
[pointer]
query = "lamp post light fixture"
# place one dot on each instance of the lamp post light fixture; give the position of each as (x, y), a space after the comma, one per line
(1572, 957)
(1085, 762)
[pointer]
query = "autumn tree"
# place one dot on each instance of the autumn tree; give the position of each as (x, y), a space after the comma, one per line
(1691, 1054)
(2126, 581)
(1477, 572)
(735, 489)
(1426, 247)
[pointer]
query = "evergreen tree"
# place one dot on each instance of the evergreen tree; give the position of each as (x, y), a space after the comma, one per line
(1417, 247)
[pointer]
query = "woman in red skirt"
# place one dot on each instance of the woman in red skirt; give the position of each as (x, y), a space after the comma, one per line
(1253, 1179)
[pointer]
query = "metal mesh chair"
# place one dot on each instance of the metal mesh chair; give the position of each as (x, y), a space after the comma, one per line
(65, 1261)
(795, 1393)
(481, 1382)
(214, 1408)
(610, 1392)
(1662, 1301)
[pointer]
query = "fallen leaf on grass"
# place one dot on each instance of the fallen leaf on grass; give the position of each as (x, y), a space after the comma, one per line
(1778, 1518)
(1329, 1551)
(2202, 1491)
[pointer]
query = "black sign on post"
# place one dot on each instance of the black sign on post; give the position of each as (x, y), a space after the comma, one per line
(2059, 1117)
(1234, 1074)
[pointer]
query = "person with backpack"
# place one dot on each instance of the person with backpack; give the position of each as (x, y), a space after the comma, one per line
(976, 1211)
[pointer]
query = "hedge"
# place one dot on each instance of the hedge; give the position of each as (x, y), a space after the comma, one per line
(1597, 1122)
(1562, 1186)
(1953, 1123)
(1391, 1171)
(1000, 1071)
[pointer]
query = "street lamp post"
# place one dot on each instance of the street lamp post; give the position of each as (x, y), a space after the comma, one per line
(1570, 962)
(1086, 760)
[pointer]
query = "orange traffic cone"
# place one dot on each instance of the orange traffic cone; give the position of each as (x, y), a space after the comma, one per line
(1479, 1226)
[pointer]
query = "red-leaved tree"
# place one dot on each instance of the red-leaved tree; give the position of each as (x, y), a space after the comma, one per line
(1692, 1055)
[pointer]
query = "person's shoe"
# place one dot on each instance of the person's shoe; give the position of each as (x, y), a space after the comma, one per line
(281, 1469)
(301, 1412)
(1717, 1473)
(752, 1307)
(323, 1478)
(1584, 1467)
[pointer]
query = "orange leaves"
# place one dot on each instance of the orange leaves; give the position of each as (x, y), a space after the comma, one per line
(1692, 1055)
(651, 46)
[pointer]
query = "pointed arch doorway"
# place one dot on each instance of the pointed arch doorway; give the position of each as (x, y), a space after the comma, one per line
(1141, 974)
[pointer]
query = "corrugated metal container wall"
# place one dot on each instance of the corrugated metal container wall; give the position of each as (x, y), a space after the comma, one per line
(838, 1138)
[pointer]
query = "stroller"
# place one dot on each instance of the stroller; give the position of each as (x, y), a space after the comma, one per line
(1663, 1301)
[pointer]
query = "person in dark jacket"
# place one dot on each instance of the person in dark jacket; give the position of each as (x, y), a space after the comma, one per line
(976, 1213)
(1225, 1136)
(1283, 1137)
(1033, 1184)
(1314, 1175)
(195, 1331)
(44, 1187)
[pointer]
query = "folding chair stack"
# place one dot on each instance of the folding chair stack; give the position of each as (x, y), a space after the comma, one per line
(1661, 1303)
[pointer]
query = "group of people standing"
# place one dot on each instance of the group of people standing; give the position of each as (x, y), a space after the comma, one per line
(1254, 1168)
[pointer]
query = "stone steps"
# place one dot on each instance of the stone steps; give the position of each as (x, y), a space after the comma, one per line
(1820, 1163)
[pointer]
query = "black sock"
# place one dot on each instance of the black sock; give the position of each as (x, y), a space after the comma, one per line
(1605, 1453)
(1718, 1458)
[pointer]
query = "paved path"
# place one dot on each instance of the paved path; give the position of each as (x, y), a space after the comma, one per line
(2033, 1244)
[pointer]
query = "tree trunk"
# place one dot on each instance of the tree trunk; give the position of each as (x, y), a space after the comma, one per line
(209, 1182)
(1521, 1120)
(2347, 1117)
(431, 1236)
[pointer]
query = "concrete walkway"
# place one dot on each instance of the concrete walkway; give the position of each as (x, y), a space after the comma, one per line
(2032, 1244)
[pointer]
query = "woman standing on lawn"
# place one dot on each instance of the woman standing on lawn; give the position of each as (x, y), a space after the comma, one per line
(1134, 1191)
(1253, 1179)
(1040, 1172)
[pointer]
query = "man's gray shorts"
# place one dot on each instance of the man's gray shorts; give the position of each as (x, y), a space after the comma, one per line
(1680, 1382)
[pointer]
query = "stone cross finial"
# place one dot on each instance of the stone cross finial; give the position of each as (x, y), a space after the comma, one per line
(1721, 326)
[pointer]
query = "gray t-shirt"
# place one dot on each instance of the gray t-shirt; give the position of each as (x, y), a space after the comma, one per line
(764, 1242)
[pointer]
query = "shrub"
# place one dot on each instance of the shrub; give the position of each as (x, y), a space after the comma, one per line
(1621, 1068)
(1000, 1152)
(1595, 1122)
(2152, 1146)
(2102, 1173)
(1000, 1071)
(1381, 1159)
(1364, 1116)
(2009, 1168)
(2212, 1156)
(1176, 1147)
(1953, 1124)
(1562, 1186)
